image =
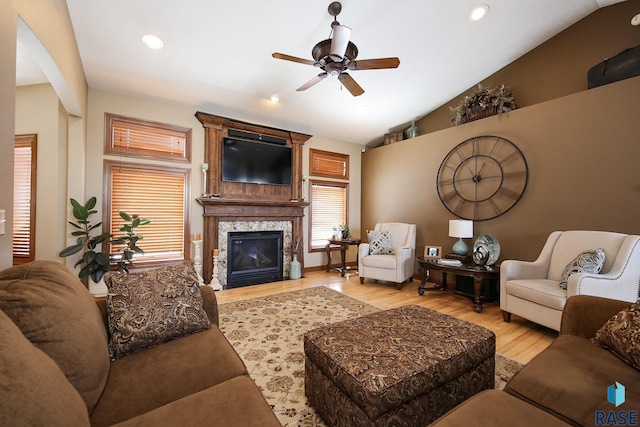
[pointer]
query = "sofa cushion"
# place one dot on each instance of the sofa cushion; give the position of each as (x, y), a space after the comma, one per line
(494, 408)
(380, 242)
(33, 389)
(573, 242)
(570, 380)
(388, 262)
(589, 261)
(236, 402)
(621, 335)
(542, 291)
(150, 307)
(54, 311)
(166, 373)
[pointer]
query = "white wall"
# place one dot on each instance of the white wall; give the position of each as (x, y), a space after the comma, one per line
(354, 151)
(39, 111)
(101, 102)
(8, 11)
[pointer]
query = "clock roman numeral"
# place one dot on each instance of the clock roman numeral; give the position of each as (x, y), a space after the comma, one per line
(461, 154)
(450, 195)
(518, 174)
(459, 206)
(513, 155)
(509, 193)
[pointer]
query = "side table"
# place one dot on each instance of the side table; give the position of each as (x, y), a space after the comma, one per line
(344, 245)
(478, 272)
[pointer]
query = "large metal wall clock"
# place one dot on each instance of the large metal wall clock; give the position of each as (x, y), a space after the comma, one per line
(482, 178)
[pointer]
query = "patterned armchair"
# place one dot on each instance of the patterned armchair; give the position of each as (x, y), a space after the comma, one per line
(390, 253)
(538, 291)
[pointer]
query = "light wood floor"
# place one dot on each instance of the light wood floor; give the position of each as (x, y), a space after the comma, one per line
(520, 339)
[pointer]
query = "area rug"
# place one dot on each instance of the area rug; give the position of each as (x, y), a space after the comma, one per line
(268, 333)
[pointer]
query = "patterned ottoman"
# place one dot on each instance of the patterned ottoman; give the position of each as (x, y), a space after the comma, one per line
(400, 367)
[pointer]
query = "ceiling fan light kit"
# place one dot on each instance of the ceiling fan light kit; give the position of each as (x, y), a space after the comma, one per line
(336, 55)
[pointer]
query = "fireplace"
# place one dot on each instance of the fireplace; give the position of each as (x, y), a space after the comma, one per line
(254, 257)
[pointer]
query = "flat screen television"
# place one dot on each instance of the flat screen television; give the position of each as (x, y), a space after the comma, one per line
(255, 162)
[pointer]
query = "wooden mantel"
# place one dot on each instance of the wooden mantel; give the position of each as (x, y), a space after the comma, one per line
(234, 201)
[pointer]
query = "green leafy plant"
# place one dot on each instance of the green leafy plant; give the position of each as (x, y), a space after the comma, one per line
(343, 229)
(501, 99)
(94, 263)
(129, 240)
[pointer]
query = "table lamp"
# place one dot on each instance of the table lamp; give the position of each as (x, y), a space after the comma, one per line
(462, 229)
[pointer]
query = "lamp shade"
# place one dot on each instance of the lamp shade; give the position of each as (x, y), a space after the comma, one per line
(461, 228)
(339, 42)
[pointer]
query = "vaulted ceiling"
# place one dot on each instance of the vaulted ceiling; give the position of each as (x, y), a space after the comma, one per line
(217, 55)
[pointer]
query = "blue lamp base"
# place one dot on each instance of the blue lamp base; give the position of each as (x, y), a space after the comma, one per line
(460, 248)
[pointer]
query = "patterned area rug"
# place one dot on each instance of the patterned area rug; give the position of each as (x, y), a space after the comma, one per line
(268, 332)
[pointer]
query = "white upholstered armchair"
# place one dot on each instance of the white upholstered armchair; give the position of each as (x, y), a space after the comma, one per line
(375, 261)
(532, 289)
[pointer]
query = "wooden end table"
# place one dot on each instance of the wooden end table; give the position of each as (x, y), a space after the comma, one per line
(478, 272)
(344, 245)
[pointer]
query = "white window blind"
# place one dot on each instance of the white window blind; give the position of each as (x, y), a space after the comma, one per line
(328, 209)
(24, 203)
(156, 193)
(328, 164)
(144, 139)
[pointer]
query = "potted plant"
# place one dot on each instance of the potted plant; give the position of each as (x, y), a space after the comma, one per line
(94, 263)
(483, 102)
(128, 242)
(342, 231)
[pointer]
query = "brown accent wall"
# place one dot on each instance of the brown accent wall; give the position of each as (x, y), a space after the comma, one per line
(559, 66)
(583, 153)
(582, 147)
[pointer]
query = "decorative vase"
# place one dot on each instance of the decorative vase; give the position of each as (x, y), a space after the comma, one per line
(294, 268)
(486, 250)
(98, 289)
(413, 130)
(345, 234)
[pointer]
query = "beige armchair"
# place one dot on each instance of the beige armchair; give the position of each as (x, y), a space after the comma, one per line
(532, 289)
(397, 266)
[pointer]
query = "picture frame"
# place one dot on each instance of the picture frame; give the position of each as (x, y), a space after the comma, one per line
(432, 252)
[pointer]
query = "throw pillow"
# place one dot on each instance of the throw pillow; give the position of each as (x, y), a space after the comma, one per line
(379, 242)
(54, 311)
(33, 389)
(589, 261)
(153, 306)
(621, 335)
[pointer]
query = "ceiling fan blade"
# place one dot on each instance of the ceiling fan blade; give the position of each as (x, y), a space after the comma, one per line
(277, 55)
(311, 82)
(350, 84)
(339, 42)
(374, 64)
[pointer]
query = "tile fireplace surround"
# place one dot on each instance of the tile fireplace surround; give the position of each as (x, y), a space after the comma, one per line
(224, 227)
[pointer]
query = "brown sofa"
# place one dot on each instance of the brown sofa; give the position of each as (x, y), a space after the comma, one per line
(55, 367)
(568, 380)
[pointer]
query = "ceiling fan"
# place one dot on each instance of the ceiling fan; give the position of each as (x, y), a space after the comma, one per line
(336, 55)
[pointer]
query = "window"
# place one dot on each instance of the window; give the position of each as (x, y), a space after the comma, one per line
(159, 192)
(24, 199)
(145, 139)
(328, 209)
(155, 192)
(328, 165)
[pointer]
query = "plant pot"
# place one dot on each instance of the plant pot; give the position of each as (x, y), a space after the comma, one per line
(98, 289)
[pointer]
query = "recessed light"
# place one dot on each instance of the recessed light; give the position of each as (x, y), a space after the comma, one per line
(478, 12)
(274, 97)
(364, 109)
(152, 42)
